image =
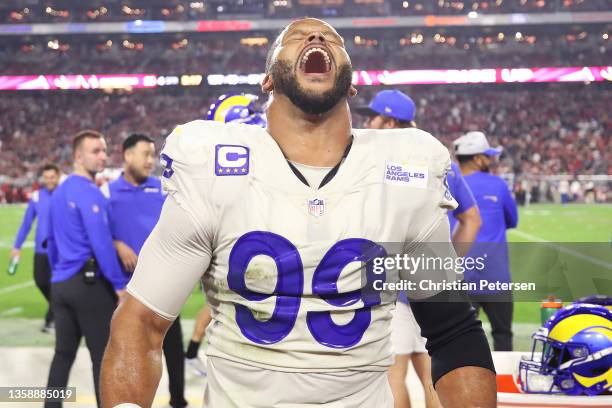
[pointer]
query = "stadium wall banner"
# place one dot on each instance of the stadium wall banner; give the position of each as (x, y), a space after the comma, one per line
(55, 82)
(483, 76)
(449, 76)
(360, 77)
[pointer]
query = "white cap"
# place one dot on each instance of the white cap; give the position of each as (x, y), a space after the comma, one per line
(475, 143)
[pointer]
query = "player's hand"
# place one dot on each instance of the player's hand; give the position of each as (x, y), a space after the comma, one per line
(127, 256)
(15, 253)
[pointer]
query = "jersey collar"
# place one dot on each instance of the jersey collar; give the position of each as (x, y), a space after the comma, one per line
(330, 175)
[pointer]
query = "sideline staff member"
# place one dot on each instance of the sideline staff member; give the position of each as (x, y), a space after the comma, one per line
(499, 213)
(39, 207)
(86, 276)
(136, 200)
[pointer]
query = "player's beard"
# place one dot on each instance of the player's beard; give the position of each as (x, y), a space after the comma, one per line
(286, 83)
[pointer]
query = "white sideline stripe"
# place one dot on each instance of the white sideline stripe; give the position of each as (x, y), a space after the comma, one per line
(11, 311)
(13, 288)
(562, 248)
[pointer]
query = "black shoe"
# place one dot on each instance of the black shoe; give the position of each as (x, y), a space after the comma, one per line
(179, 405)
(49, 327)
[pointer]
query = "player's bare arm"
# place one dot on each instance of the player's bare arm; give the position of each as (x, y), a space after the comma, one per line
(467, 229)
(457, 388)
(132, 364)
(127, 256)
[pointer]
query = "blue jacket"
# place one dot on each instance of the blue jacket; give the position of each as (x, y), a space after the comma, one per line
(497, 207)
(134, 210)
(80, 230)
(38, 206)
(498, 212)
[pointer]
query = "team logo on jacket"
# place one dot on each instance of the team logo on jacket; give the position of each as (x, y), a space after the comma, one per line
(490, 198)
(400, 174)
(231, 160)
(316, 207)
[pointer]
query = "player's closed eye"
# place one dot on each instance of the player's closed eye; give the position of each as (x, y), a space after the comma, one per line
(328, 36)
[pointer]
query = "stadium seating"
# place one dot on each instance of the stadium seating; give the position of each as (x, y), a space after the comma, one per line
(183, 10)
(544, 129)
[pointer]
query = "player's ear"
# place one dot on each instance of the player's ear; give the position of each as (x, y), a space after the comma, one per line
(352, 91)
(267, 85)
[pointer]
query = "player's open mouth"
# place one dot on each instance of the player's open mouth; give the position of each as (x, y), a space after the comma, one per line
(315, 60)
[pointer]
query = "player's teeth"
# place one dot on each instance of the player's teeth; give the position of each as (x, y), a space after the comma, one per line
(325, 55)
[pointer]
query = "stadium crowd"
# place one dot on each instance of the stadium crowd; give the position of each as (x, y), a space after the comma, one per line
(191, 54)
(545, 130)
(183, 10)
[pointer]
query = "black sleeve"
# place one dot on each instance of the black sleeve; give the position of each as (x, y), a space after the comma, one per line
(455, 337)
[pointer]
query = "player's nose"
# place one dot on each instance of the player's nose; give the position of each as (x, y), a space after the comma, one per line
(315, 37)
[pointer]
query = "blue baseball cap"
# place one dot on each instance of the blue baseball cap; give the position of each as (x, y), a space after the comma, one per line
(392, 103)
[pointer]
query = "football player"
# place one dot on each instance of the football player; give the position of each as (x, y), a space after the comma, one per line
(277, 223)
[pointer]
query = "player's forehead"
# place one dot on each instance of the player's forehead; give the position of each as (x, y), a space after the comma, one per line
(307, 25)
(92, 143)
(144, 145)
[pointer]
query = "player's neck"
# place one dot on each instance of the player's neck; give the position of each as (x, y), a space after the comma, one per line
(314, 140)
(468, 168)
(131, 178)
(81, 171)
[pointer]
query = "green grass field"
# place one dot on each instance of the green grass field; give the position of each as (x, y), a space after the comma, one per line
(19, 297)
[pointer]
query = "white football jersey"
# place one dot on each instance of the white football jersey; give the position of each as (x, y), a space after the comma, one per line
(280, 261)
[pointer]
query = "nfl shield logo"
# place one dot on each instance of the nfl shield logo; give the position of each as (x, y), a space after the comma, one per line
(316, 207)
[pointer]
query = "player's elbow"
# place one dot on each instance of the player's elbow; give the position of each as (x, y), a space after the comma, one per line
(134, 323)
(471, 219)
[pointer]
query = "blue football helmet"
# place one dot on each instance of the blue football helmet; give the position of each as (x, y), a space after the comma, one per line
(571, 353)
(237, 108)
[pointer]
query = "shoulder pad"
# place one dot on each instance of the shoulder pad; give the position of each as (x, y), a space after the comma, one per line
(194, 141)
(188, 143)
(409, 141)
